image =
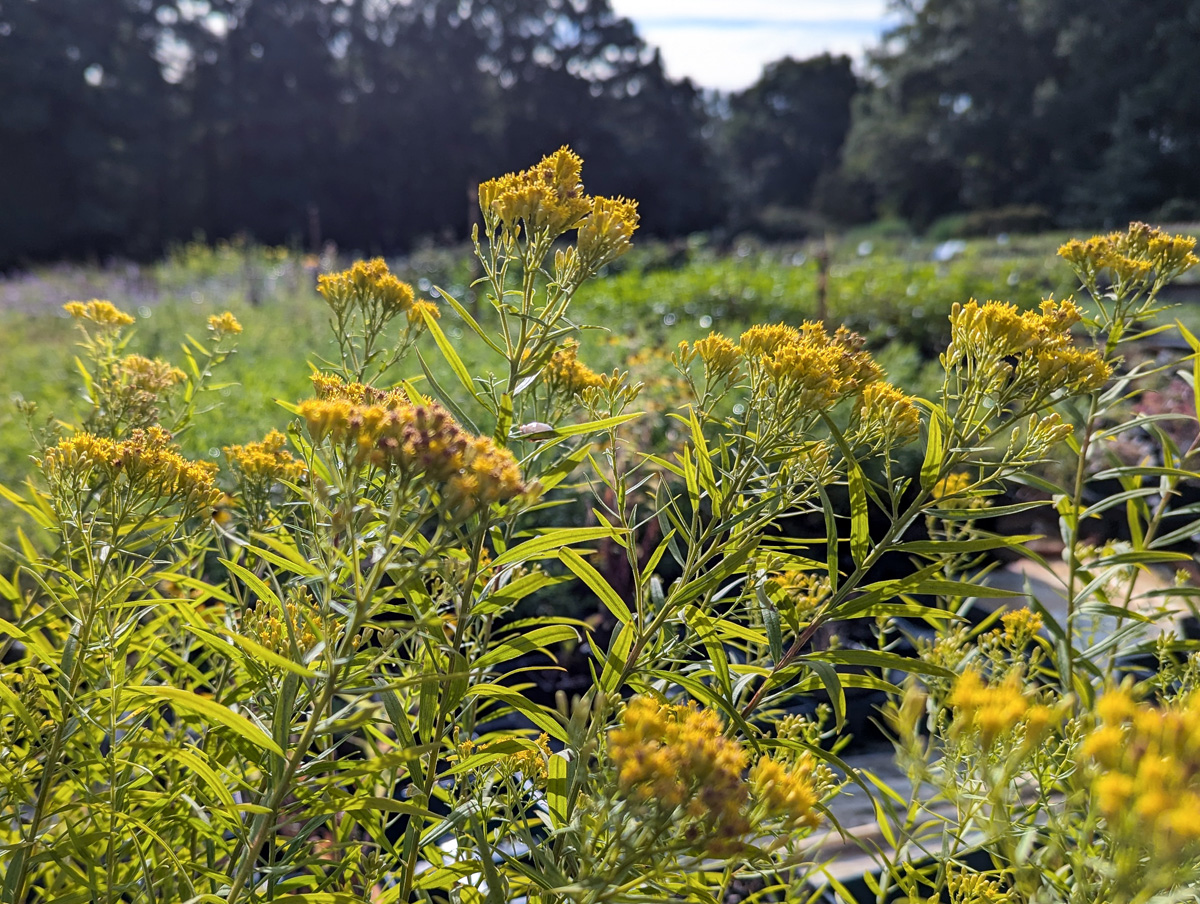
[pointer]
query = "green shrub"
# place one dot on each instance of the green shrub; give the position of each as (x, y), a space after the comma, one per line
(303, 680)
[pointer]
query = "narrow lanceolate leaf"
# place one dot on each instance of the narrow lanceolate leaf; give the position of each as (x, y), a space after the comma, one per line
(833, 687)
(860, 532)
(210, 710)
(253, 581)
(556, 790)
(503, 420)
(596, 426)
(469, 320)
(538, 715)
(530, 641)
(448, 352)
(596, 583)
(934, 450)
(540, 547)
(772, 623)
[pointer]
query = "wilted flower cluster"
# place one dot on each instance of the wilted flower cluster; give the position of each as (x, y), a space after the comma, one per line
(566, 375)
(997, 709)
(102, 313)
(548, 199)
(987, 337)
(145, 465)
(1147, 781)
(130, 393)
(1139, 257)
(416, 440)
(670, 757)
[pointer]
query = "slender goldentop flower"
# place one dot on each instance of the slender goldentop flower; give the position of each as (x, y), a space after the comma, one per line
(102, 313)
(224, 325)
(565, 374)
(147, 465)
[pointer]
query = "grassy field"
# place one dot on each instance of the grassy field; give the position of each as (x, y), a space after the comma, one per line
(894, 291)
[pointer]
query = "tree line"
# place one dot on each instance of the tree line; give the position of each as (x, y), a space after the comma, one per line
(126, 125)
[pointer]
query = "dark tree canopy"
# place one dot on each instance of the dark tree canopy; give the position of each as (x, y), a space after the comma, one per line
(1083, 108)
(130, 123)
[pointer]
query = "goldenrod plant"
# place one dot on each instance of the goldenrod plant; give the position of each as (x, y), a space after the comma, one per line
(313, 676)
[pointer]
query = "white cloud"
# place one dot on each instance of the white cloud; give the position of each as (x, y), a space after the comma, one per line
(719, 44)
(766, 10)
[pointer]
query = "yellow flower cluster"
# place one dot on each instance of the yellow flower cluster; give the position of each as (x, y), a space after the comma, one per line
(888, 415)
(806, 367)
(224, 324)
(1147, 784)
(671, 757)
(1020, 625)
(146, 463)
(145, 377)
(722, 358)
(952, 486)
(266, 461)
(786, 793)
(1141, 254)
(269, 627)
(976, 888)
(529, 762)
(101, 313)
(420, 440)
(548, 196)
(549, 199)
(799, 595)
(419, 310)
(331, 386)
(368, 286)
(995, 710)
(567, 375)
(988, 334)
(606, 232)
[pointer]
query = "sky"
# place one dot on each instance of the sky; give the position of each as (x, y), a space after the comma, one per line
(724, 43)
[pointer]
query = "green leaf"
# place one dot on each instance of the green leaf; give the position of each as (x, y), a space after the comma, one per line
(596, 583)
(879, 660)
(212, 710)
(935, 452)
(596, 426)
(556, 791)
(936, 547)
(772, 623)
(517, 701)
(833, 686)
(253, 581)
(512, 647)
(469, 320)
(447, 399)
(503, 420)
(448, 352)
(831, 539)
(860, 531)
(549, 542)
